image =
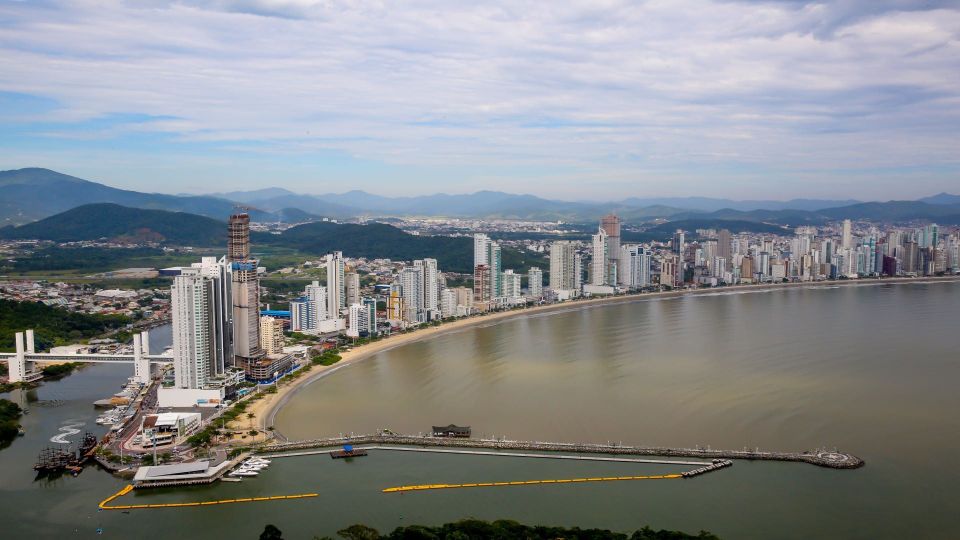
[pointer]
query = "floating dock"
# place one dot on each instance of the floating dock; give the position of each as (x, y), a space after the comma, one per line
(127, 489)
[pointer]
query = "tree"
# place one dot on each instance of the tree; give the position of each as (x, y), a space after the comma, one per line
(270, 532)
(359, 532)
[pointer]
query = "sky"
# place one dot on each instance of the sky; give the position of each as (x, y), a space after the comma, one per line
(583, 100)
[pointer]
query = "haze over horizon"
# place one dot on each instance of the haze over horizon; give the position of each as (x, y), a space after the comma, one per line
(770, 99)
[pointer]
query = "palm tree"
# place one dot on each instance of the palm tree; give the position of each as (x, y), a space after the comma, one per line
(251, 416)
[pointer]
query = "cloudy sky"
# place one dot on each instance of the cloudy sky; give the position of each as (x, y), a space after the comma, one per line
(594, 99)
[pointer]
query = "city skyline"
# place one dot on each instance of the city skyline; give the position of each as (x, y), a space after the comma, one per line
(761, 99)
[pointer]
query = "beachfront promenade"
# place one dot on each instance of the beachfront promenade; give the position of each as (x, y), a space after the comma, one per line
(821, 458)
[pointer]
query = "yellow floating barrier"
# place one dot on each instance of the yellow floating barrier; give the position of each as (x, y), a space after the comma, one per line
(129, 488)
(421, 487)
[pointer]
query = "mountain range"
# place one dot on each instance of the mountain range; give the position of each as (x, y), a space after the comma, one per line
(31, 194)
(108, 221)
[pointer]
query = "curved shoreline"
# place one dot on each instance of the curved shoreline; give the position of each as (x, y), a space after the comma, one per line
(266, 410)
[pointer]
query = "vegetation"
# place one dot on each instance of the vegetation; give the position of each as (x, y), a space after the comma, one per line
(9, 415)
(380, 240)
(60, 370)
(326, 358)
(270, 532)
(52, 326)
(473, 529)
(135, 225)
(94, 259)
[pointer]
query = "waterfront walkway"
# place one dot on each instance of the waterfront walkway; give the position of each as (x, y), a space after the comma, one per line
(821, 458)
(494, 453)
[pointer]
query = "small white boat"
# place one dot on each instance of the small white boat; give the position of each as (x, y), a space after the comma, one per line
(259, 460)
(244, 472)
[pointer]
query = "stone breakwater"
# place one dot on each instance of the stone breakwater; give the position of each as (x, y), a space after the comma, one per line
(821, 458)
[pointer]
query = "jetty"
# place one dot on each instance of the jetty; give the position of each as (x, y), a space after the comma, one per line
(822, 458)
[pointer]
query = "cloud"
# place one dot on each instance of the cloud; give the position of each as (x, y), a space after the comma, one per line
(625, 92)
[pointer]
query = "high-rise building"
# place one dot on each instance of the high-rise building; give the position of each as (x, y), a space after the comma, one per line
(271, 335)
(610, 224)
(429, 288)
(577, 272)
(562, 254)
(448, 303)
(724, 248)
(246, 291)
(678, 246)
(535, 283)
(511, 287)
(600, 263)
(846, 235)
(411, 281)
(303, 317)
(352, 280)
(481, 250)
(495, 262)
(336, 286)
(910, 262)
(395, 302)
(636, 266)
(202, 327)
(481, 283)
(316, 294)
(363, 318)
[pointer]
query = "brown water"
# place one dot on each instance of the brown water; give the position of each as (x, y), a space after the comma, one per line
(872, 370)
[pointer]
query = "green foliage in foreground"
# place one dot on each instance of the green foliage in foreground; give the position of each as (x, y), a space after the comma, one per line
(472, 529)
(52, 326)
(9, 414)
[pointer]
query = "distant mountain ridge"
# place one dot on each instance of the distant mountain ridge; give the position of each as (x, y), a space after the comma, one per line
(31, 194)
(119, 223)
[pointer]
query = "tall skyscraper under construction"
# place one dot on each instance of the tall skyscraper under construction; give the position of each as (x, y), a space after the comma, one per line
(246, 292)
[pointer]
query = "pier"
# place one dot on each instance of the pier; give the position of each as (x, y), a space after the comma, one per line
(820, 458)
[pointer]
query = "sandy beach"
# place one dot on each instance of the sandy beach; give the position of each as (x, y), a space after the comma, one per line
(265, 409)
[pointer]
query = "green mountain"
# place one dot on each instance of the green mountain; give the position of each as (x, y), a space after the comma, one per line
(379, 240)
(115, 222)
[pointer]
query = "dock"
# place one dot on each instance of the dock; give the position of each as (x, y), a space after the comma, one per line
(822, 458)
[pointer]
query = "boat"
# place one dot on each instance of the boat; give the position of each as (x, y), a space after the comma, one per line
(244, 472)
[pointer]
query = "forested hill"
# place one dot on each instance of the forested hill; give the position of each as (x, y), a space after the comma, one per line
(52, 326)
(116, 222)
(378, 240)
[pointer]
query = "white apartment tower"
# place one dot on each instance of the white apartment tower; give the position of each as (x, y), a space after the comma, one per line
(336, 288)
(535, 282)
(562, 268)
(599, 265)
(202, 327)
